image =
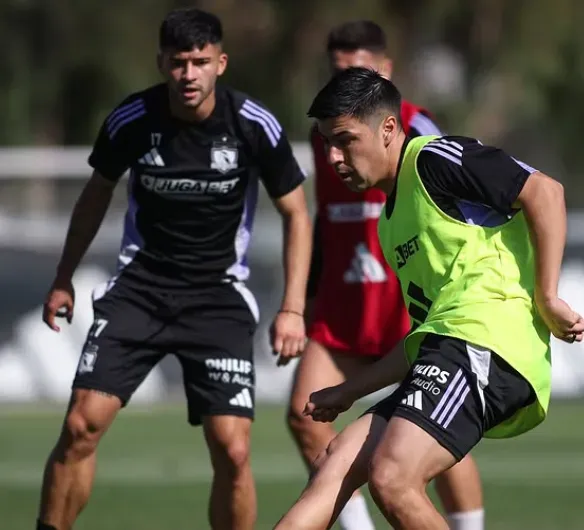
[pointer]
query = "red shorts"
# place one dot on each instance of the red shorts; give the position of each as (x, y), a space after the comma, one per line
(370, 325)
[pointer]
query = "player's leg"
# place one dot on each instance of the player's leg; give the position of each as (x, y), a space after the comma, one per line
(108, 373)
(320, 368)
(453, 393)
(460, 492)
(340, 470)
(219, 378)
(405, 461)
(233, 498)
(70, 468)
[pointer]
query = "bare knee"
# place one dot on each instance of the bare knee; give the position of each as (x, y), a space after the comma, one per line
(390, 484)
(230, 449)
(87, 420)
(299, 424)
(80, 436)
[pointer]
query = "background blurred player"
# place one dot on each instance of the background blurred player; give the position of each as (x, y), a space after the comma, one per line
(195, 151)
(357, 312)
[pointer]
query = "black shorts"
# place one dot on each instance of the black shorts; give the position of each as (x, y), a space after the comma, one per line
(457, 391)
(209, 330)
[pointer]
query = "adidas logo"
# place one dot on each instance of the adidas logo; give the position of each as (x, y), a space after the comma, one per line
(152, 158)
(365, 267)
(243, 399)
(413, 400)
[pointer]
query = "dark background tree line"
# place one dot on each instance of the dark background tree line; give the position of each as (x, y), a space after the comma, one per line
(509, 72)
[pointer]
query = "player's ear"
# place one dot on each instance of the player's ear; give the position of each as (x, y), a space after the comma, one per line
(390, 129)
(223, 59)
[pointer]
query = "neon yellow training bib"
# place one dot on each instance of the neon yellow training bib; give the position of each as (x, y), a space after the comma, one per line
(469, 282)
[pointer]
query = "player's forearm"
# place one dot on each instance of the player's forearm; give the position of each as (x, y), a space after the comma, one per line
(86, 219)
(390, 369)
(545, 210)
(297, 251)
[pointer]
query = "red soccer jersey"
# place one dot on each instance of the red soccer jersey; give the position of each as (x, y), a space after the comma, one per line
(358, 306)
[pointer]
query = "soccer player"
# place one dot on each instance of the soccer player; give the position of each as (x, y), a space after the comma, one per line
(196, 153)
(358, 313)
(476, 239)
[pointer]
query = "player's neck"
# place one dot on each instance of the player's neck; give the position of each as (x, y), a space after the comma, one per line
(196, 114)
(395, 151)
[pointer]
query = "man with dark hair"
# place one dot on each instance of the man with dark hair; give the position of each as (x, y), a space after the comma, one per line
(476, 239)
(357, 313)
(196, 152)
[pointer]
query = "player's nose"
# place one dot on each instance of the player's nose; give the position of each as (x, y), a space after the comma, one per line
(334, 155)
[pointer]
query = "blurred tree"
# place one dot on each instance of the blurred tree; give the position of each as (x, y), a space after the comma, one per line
(67, 62)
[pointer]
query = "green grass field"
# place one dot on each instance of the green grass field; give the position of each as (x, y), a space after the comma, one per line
(153, 471)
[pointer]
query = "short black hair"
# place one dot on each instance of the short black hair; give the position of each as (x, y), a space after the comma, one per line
(188, 28)
(356, 92)
(357, 35)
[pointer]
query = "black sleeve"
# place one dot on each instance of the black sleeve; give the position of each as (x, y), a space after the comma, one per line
(462, 168)
(114, 149)
(315, 261)
(279, 169)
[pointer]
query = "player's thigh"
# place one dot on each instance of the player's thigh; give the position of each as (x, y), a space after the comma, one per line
(217, 358)
(320, 367)
(118, 352)
(349, 454)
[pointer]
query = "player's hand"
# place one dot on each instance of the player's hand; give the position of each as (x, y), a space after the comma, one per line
(287, 336)
(564, 323)
(326, 404)
(59, 303)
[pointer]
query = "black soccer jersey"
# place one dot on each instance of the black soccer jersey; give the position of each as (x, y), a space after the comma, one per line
(193, 187)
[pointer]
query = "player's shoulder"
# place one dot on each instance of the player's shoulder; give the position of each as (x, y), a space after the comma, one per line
(253, 113)
(135, 109)
(444, 151)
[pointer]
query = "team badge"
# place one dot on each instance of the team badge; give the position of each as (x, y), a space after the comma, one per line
(224, 156)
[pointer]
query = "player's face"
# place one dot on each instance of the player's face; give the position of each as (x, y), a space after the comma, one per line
(191, 75)
(341, 60)
(358, 150)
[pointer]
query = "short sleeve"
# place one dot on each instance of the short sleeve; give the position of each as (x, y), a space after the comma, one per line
(113, 151)
(279, 169)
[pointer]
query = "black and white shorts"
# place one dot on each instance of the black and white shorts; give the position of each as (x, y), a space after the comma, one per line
(457, 391)
(210, 331)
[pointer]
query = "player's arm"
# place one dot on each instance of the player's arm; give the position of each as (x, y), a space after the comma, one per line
(87, 216)
(325, 405)
(465, 170)
(543, 203)
(283, 179)
(108, 159)
(296, 249)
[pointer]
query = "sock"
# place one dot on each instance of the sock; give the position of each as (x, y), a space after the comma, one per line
(355, 515)
(43, 526)
(473, 520)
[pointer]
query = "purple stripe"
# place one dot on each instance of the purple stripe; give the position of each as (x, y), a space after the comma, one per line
(133, 117)
(251, 200)
(124, 109)
(114, 120)
(131, 234)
